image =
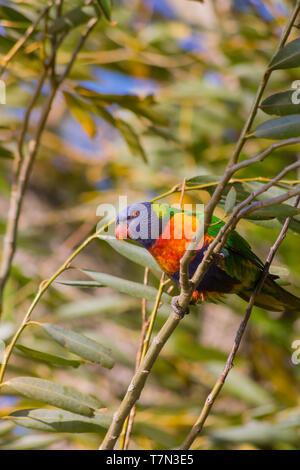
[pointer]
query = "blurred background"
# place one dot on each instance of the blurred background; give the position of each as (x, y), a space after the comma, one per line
(158, 96)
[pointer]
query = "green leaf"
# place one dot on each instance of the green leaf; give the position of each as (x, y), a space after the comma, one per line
(79, 344)
(131, 139)
(81, 112)
(73, 18)
(287, 57)
(135, 253)
(280, 104)
(106, 115)
(95, 306)
(59, 421)
(230, 200)
(105, 6)
(278, 210)
(14, 15)
(150, 114)
(54, 394)
(80, 283)
(279, 128)
(49, 358)
(209, 183)
(259, 433)
(125, 101)
(30, 442)
(136, 104)
(5, 427)
(127, 287)
(5, 153)
(294, 225)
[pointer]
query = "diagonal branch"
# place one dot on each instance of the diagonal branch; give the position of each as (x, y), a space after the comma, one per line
(210, 400)
(187, 287)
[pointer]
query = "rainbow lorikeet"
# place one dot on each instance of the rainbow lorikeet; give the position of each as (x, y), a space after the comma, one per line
(166, 232)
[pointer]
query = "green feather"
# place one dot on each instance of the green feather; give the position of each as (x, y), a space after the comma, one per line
(242, 264)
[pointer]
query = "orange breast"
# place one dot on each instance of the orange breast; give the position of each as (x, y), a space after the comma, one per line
(173, 242)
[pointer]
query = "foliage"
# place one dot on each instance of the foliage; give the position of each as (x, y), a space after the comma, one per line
(158, 92)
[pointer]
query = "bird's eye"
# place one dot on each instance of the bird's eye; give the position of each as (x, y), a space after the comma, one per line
(135, 214)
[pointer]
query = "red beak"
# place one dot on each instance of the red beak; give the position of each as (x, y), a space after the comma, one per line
(122, 231)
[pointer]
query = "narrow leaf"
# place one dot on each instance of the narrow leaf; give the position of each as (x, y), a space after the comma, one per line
(280, 104)
(127, 287)
(80, 283)
(278, 210)
(81, 112)
(95, 306)
(49, 358)
(279, 128)
(5, 428)
(31, 442)
(287, 57)
(5, 153)
(59, 421)
(105, 6)
(73, 18)
(230, 200)
(150, 114)
(14, 15)
(79, 344)
(131, 138)
(135, 253)
(54, 394)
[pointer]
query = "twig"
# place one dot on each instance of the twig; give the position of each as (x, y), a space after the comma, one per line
(243, 136)
(241, 210)
(128, 423)
(182, 192)
(43, 287)
(25, 163)
(211, 398)
(138, 382)
(146, 334)
(187, 287)
(17, 46)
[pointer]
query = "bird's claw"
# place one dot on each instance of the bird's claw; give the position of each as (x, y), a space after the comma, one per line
(218, 257)
(178, 309)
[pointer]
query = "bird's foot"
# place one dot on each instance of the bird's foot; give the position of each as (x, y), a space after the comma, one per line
(177, 308)
(218, 258)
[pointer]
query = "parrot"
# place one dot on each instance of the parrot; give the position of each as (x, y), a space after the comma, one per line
(166, 231)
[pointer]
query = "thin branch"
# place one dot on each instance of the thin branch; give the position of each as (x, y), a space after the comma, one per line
(146, 334)
(138, 382)
(187, 287)
(182, 192)
(243, 136)
(42, 289)
(25, 163)
(216, 245)
(211, 398)
(127, 427)
(17, 46)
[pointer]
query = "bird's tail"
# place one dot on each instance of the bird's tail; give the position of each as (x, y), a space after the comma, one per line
(275, 298)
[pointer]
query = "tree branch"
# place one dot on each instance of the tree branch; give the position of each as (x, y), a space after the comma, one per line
(24, 163)
(211, 398)
(17, 46)
(187, 286)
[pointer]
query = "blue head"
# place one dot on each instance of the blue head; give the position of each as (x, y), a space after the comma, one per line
(139, 222)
